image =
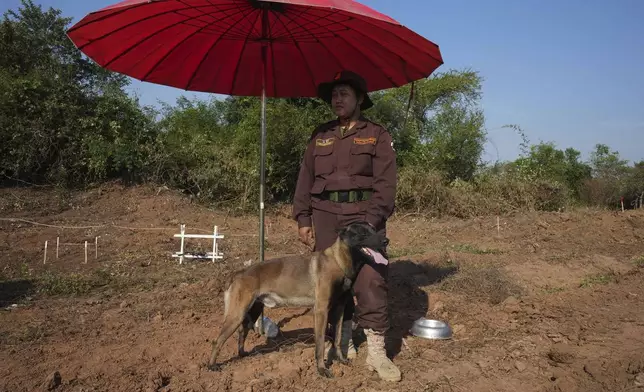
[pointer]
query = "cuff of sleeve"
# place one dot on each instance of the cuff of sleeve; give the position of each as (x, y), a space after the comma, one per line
(304, 221)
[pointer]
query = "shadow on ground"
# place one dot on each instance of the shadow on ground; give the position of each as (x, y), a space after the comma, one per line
(407, 300)
(13, 291)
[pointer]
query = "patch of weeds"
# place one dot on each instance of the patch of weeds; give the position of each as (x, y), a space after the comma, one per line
(488, 282)
(639, 261)
(395, 253)
(31, 333)
(147, 285)
(595, 279)
(50, 283)
(562, 257)
(553, 290)
(467, 248)
(558, 258)
(24, 271)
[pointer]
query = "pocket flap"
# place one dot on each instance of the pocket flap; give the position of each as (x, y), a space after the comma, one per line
(363, 149)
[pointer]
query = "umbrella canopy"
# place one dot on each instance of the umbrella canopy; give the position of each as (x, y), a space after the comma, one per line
(216, 45)
(279, 48)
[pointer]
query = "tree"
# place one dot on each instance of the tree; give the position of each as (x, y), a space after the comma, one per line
(607, 164)
(443, 128)
(62, 118)
(545, 161)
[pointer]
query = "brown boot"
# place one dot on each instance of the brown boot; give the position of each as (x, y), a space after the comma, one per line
(377, 357)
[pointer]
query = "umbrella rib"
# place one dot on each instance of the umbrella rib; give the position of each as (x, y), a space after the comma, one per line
(272, 57)
(306, 31)
(126, 51)
(297, 45)
(363, 55)
(133, 23)
(239, 59)
(397, 55)
(241, 35)
(320, 26)
(219, 8)
(315, 39)
(368, 21)
(109, 15)
(270, 28)
(165, 56)
(209, 49)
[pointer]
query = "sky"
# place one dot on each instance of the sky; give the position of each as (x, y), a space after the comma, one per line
(566, 71)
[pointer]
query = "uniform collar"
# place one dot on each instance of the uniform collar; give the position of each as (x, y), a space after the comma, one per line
(360, 124)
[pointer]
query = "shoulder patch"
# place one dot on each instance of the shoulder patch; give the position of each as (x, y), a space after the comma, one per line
(365, 140)
(324, 142)
(323, 128)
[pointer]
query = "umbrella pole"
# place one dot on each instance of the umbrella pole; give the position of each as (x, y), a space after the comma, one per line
(262, 165)
(262, 173)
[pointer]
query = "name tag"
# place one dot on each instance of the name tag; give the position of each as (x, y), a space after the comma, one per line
(324, 142)
(365, 140)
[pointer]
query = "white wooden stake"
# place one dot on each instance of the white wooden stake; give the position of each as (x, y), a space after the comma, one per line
(498, 226)
(45, 259)
(216, 251)
(57, 245)
(96, 247)
(85, 252)
(183, 234)
(214, 244)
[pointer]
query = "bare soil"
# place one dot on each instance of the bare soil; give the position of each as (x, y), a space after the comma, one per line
(545, 302)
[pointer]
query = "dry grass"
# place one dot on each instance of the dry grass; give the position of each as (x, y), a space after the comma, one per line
(428, 193)
(639, 261)
(598, 279)
(486, 282)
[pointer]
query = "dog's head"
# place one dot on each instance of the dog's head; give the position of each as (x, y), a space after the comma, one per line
(362, 235)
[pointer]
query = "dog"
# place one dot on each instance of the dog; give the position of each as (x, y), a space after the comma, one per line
(321, 281)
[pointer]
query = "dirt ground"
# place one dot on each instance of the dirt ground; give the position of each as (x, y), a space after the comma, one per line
(543, 302)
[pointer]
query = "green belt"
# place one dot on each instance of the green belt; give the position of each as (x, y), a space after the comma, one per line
(346, 196)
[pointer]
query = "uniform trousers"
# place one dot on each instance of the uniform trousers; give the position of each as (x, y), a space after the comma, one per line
(370, 286)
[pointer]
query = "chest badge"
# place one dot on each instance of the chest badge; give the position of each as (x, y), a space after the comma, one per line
(324, 142)
(365, 140)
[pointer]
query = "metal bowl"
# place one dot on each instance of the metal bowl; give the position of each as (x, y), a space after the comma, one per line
(431, 329)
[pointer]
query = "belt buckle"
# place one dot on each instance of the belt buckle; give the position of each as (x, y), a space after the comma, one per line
(343, 197)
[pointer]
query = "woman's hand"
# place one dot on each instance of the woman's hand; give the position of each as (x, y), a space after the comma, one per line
(306, 235)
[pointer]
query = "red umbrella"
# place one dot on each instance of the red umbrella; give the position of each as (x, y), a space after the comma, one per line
(279, 48)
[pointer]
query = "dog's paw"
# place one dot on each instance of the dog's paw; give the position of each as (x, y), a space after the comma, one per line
(326, 373)
(340, 358)
(342, 361)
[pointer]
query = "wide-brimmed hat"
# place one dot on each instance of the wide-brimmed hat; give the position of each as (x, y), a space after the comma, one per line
(349, 78)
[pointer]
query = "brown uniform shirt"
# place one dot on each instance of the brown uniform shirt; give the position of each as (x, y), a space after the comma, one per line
(363, 158)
